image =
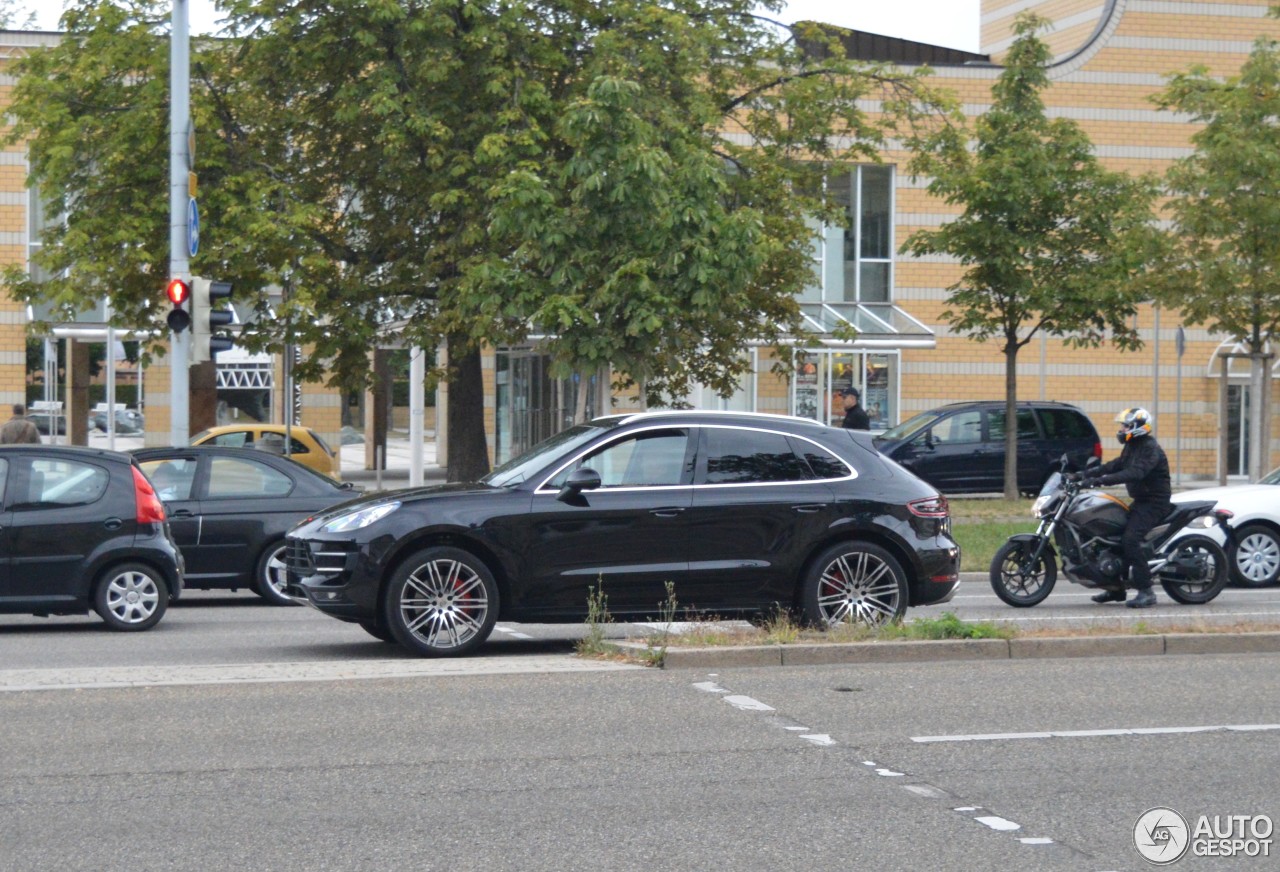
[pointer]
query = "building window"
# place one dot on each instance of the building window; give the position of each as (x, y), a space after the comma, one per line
(857, 260)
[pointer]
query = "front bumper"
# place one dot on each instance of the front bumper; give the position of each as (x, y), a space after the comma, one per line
(333, 577)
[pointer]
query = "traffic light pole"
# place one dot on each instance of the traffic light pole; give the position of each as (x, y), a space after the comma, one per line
(179, 266)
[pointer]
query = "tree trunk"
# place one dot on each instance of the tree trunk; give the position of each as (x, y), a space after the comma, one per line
(468, 451)
(1010, 419)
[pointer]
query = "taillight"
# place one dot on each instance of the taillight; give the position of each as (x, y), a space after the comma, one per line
(150, 510)
(1097, 450)
(930, 507)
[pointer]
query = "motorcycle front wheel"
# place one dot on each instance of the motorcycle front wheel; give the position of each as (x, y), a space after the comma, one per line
(1018, 588)
(1201, 571)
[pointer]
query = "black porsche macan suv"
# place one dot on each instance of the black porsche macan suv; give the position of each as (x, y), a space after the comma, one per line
(741, 513)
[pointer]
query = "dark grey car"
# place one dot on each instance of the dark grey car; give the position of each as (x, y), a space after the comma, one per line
(959, 448)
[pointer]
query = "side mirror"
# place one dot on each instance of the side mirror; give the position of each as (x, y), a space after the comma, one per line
(579, 480)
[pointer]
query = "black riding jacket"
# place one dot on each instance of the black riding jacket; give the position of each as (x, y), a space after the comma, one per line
(1142, 468)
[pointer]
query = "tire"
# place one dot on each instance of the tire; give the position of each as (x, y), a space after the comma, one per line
(1214, 571)
(130, 597)
(377, 631)
(1011, 585)
(270, 576)
(1255, 556)
(854, 581)
(441, 602)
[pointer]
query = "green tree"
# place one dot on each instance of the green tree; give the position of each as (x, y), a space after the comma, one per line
(1222, 268)
(1050, 241)
(625, 178)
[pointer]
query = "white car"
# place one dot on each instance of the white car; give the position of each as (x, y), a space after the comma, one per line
(1254, 554)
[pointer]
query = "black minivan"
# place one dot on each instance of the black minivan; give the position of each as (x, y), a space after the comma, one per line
(80, 529)
(959, 448)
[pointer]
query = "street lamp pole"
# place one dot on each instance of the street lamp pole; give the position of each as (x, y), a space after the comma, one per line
(179, 266)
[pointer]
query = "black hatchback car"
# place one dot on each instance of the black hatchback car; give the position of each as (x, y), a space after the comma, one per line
(229, 509)
(741, 513)
(82, 528)
(959, 448)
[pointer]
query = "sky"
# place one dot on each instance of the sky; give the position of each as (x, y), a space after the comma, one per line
(953, 23)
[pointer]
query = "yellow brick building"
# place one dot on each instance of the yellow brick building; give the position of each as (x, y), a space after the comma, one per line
(1111, 56)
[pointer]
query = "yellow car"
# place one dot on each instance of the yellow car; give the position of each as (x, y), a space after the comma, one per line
(306, 446)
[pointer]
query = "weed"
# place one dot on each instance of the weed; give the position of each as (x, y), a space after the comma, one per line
(598, 617)
(656, 650)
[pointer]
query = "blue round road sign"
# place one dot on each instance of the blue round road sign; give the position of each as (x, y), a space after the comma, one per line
(193, 228)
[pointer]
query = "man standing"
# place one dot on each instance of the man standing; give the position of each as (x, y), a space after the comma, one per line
(19, 428)
(855, 418)
(1144, 471)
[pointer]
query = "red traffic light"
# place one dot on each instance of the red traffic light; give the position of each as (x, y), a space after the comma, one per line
(178, 291)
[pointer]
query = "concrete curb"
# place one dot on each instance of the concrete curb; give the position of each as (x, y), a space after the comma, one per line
(972, 649)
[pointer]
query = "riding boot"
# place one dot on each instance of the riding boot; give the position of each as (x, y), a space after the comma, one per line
(1143, 599)
(1109, 596)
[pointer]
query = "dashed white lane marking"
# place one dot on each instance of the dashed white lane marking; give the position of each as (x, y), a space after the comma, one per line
(820, 739)
(1074, 734)
(1036, 840)
(95, 678)
(747, 704)
(709, 687)
(998, 823)
(514, 634)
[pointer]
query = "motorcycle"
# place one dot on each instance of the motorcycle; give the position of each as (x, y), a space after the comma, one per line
(1083, 527)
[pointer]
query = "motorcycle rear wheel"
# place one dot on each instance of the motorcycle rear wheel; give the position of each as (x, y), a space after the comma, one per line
(1213, 579)
(1016, 588)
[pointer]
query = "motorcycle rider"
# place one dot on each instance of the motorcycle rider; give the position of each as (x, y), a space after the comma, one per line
(1143, 469)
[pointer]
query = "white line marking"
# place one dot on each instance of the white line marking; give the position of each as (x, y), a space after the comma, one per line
(924, 790)
(998, 823)
(889, 773)
(966, 808)
(709, 687)
(797, 729)
(747, 704)
(821, 739)
(1036, 840)
(1070, 734)
(514, 634)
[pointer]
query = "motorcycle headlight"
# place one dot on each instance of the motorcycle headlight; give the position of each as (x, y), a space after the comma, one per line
(1203, 522)
(359, 518)
(1041, 503)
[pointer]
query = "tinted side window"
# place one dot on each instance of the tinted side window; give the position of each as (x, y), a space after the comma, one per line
(1026, 425)
(960, 427)
(236, 477)
(1065, 424)
(65, 483)
(736, 456)
(650, 459)
(822, 463)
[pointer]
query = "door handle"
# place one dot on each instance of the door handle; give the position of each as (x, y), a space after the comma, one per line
(667, 511)
(809, 508)
(113, 523)
(182, 513)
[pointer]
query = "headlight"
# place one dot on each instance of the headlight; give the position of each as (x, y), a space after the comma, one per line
(1204, 522)
(1041, 503)
(358, 519)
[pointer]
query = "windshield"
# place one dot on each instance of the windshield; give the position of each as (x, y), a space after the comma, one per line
(908, 428)
(541, 455)
(1052, 484)
(1272, 477)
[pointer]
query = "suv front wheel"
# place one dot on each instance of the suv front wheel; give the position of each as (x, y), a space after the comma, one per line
(131, 596)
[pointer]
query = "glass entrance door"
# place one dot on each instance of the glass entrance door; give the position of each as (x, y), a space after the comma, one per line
(1237, 429)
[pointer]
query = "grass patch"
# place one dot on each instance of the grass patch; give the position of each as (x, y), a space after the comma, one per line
(989, 510)
(979, 540)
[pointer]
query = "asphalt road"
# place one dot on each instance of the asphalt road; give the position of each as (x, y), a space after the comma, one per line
(823, 768)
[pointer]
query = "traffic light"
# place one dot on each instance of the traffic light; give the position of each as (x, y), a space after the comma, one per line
(178, 293)
(208, 313)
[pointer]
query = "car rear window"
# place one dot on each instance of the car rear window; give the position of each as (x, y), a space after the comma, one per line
(1066, 424)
